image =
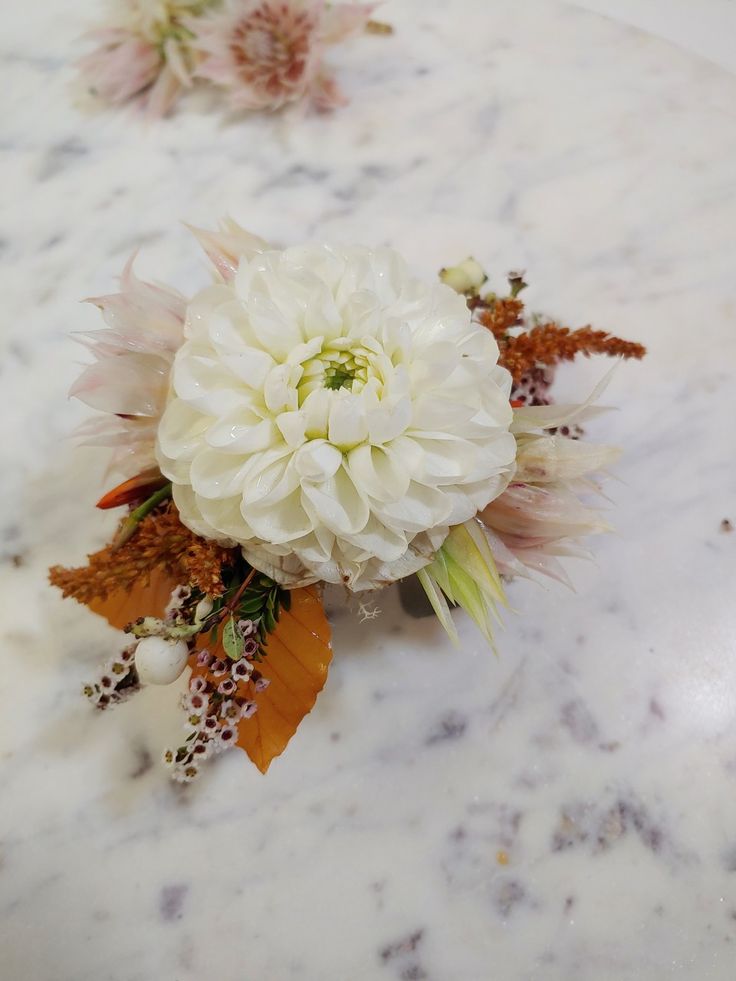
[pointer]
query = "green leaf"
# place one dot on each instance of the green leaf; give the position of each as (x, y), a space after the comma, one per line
(465, 572)
(436, 597)
(251, 606)
(232, 640)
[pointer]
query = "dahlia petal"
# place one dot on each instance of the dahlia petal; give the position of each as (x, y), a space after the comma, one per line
(225, 517)
(348, 425)
(378, 470)
(317, 461)
(279, 388)
(293, 427)
(204, 310)
(240, 431)
(281, 522)
(316, 410)
(421, 508)
(190, 515)
(205, 384)
(388, 422)
(181, 429)
(275, 333)
(216, 475)
(375, 541)
(288, 570)
(265, 473)
(251, 367)
(338, 504)
(438, 413)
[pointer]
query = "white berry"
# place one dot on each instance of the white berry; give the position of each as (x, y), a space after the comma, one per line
(159, 661)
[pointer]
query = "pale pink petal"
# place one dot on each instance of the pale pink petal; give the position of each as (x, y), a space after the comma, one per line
(121, 67)
(345, 20)
(541, 517)
(133, 384)
(227, 246)
(325, 93)
(174, 55)
(129, 378)
(163, 93)
(150, 317)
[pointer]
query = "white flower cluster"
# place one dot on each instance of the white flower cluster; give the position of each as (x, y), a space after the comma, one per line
(215, 706)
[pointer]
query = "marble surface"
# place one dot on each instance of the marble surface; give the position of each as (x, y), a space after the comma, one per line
(566, 812)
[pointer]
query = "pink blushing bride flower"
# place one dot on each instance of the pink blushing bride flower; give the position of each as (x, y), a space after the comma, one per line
(121, 67)
(541, 517)
(129, 378)
(228, 245)
(269, 53)
(143, 53)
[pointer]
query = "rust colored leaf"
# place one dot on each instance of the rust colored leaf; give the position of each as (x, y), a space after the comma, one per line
(298, 657)
(125, 605)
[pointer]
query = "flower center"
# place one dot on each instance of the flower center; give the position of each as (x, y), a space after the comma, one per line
(338, 365)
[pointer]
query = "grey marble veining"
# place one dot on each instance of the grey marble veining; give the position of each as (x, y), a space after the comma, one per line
(566, 812)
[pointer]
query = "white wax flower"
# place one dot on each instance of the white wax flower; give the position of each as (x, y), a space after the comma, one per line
(334, 416)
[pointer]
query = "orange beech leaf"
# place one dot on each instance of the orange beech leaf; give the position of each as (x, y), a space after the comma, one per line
(145, 600)
(298, 655)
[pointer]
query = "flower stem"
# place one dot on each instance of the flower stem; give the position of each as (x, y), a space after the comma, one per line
(128, 527)
(241, 589)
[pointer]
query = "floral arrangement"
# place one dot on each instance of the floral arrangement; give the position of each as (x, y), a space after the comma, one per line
(318, 415)
(262, 54)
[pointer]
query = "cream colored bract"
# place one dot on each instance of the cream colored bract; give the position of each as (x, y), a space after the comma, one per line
(334, 416)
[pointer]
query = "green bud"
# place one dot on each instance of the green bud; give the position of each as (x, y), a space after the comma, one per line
(466, 277)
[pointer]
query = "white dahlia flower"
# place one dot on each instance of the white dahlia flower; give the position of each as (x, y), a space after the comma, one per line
(334, 416)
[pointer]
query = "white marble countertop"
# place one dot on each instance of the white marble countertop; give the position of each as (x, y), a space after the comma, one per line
(599, 751)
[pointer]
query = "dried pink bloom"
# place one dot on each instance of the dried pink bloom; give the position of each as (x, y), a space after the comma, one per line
(269, 53)
(228, 245)
(145, 52)
(129, 378)
(121, 66)
(540, 517)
